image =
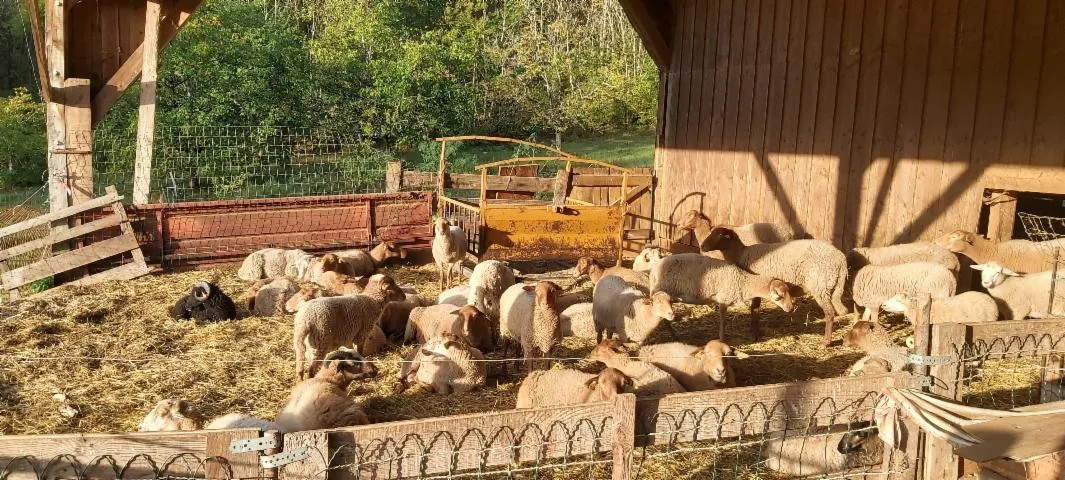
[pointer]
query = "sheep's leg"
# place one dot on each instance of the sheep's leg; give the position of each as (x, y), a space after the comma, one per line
(867, 315)
(440, 275)
(311, 360)
(721, 311)
(830, 318)
(756, 323)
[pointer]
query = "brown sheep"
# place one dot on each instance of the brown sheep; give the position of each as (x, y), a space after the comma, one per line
(323, 401)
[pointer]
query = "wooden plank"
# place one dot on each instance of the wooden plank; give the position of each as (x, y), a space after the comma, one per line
(757, 184)
(127, 271)
(758, 410)
(1049, 183)
(624, 417)
(55, 49)
(947, 339)
(1023, 93)
(78, 112)
(1002, 215)
(747, 65)
(1048, 146)
(415, 180)
(717, 196)
(790, 123)
(235, 465)
(650, 24)
(822, 185)
(772, 204)
(69, 260)
(127, 229)
(142, 171)
(808, 112)
(317, 466)
(61, 236)
(1016, 438)
(59, 215)
(988, 332)
(843, 124)
(37, 34)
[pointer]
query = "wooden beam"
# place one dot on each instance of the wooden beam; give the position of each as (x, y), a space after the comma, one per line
(485, 138)
(78, 112)
(38, 49)
(1002, 216)
(55, 47)
(176, 16)
(651, 22)
(470, 181)
(394, 177)
(142, 170)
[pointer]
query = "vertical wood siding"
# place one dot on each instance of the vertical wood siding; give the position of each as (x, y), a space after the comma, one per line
(864, 122)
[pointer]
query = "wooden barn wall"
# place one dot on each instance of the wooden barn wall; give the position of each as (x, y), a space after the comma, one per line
(867, 122)
(105, 34)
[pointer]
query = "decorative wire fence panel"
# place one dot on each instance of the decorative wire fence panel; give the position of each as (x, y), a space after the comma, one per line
(1007, 373)
(202, 163)
(141, 466)
(769, 441)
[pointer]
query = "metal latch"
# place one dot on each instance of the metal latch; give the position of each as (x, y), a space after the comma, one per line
(284, 458)
(252, 444)
(931, 359)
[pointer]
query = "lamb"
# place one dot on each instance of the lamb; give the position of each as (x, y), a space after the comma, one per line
(697, 279)
(325, 324)
(395, 315)
(205, 303)
(576, 321)
(696, 368)
(375, 342)
(341, 283)
(458, 296)
(650, 380)
(445, 364)
(487, 283)
(647, 258)
(618, 308)
(550, 388)
(529, 317)
(307, 292)
(868, 366)
(467, 322)
(814, 265)
(874, 284)
(322, 401)
(750, 234)
(875, 341)
(824, 451)
(240, 420)
(171, 415)
(903, 253)
(278, 262)
(268, 297)
(449, 249)
(595, 271)
(1019, 295)
(1021, 256)
(357, 263)
(966, 307)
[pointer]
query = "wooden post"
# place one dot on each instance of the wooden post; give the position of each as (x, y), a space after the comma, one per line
(279, 439)
(1051, 388)
(1053, 281)
(142, 174)
(314, 468)
(55, 48)
(624, 215)
(624, 435)
(922, 330)
(440, 178)
(940, 461)
(1002, 215)
(484, 192)
(394, 177)
(562, 181)
(78, 112)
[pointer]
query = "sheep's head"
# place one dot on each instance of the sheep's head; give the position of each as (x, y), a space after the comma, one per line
(476, 327)
(547, 294)
(780, 294)
(660, 304)
(609, 348)
(692, 219)
(715, 362)
(441, 226)
(202, 290)
(856, 439)
(608, 384)
(307, 292)
(383, 286)
(650, 256)
(957, 241)
(897, 303)
(859, 332)
(585, 266)
(171, 415)
(720, 238)
(348, 365)
(387, 250)
(992, 274)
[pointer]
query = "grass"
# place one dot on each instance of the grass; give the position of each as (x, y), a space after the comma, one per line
(632, 149)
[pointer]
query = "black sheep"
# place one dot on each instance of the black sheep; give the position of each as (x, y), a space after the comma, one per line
(206, 303)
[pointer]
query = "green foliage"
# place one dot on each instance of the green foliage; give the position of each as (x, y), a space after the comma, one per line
(23, 148)
(42, 284)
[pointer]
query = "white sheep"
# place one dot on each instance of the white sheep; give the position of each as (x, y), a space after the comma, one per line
(322, 401)
(278, 262)
(869, 366)
(171, 415)
(466, 322)
(529, 317)
(268, 297)
(358, 263)
(1022, 256)
(877, 343)
(1019, 296)
(696, 368)
(903, 253)
(445, 364)
(564, 386)
(968, 307)
(458, 296)
(816, 266)
(650, 381)
(488, 281)
(874, 284)
(587, 266)
(576, 321)
(240, 420)
(750, 234)
(449, 249)
(697, 279)
(647, 258)
(623, 310)
(325, 324)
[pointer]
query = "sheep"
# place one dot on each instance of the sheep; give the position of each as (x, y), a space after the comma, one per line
(358, 263)
(457, 296)
(467, 322)
(903, 253)
(449, 249)
(875, 341)
(322, 401)
(171, 415)
(205, 303)
(445, 364)
(868, 366)
(966, 307)
(820, 453)
(395, 316)
(1019, 295)
(576, 321)
(697, 279)
(816, 266)
(240, 420)
(595, 271)
(565, 301)
(529, 317)
(341, 283)
(487, 283)
(1021, 256)
(750, 234)
(618, 308)
(279, 262)
(647, 258)
(874, 284)
(325, 324)
(306, 293)
(375, 342)
(564, 386)
(696, 368)
(268, 297)
(650, 380)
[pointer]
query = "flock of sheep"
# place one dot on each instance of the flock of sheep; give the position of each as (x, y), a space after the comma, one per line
(346, 312)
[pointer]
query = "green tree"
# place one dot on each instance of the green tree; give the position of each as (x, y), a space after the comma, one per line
(23, 148)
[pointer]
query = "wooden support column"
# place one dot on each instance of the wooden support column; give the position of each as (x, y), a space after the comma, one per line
(78, 112)
(1002, 215)
(441, 178)
(55, 49)
(393, 177)
(142, 173)
(945, 340)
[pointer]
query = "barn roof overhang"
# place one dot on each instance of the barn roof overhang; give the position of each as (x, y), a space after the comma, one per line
(652, 21)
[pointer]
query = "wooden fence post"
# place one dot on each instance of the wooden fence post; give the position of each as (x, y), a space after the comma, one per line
(316, 467)
(624, 435)
(394, 177)
(142, 171)
(939, 459)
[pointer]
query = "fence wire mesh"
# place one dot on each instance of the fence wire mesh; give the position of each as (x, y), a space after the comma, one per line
(119, 465)
(1006, 373)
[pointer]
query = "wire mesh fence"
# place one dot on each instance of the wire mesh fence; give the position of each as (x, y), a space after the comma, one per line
(120, 465)
(1011, 372)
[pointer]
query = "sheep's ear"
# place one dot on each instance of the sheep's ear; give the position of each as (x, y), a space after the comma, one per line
(592, 382)
(529, 288)
(1006, 271)
(740, 355)
(978, 267)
